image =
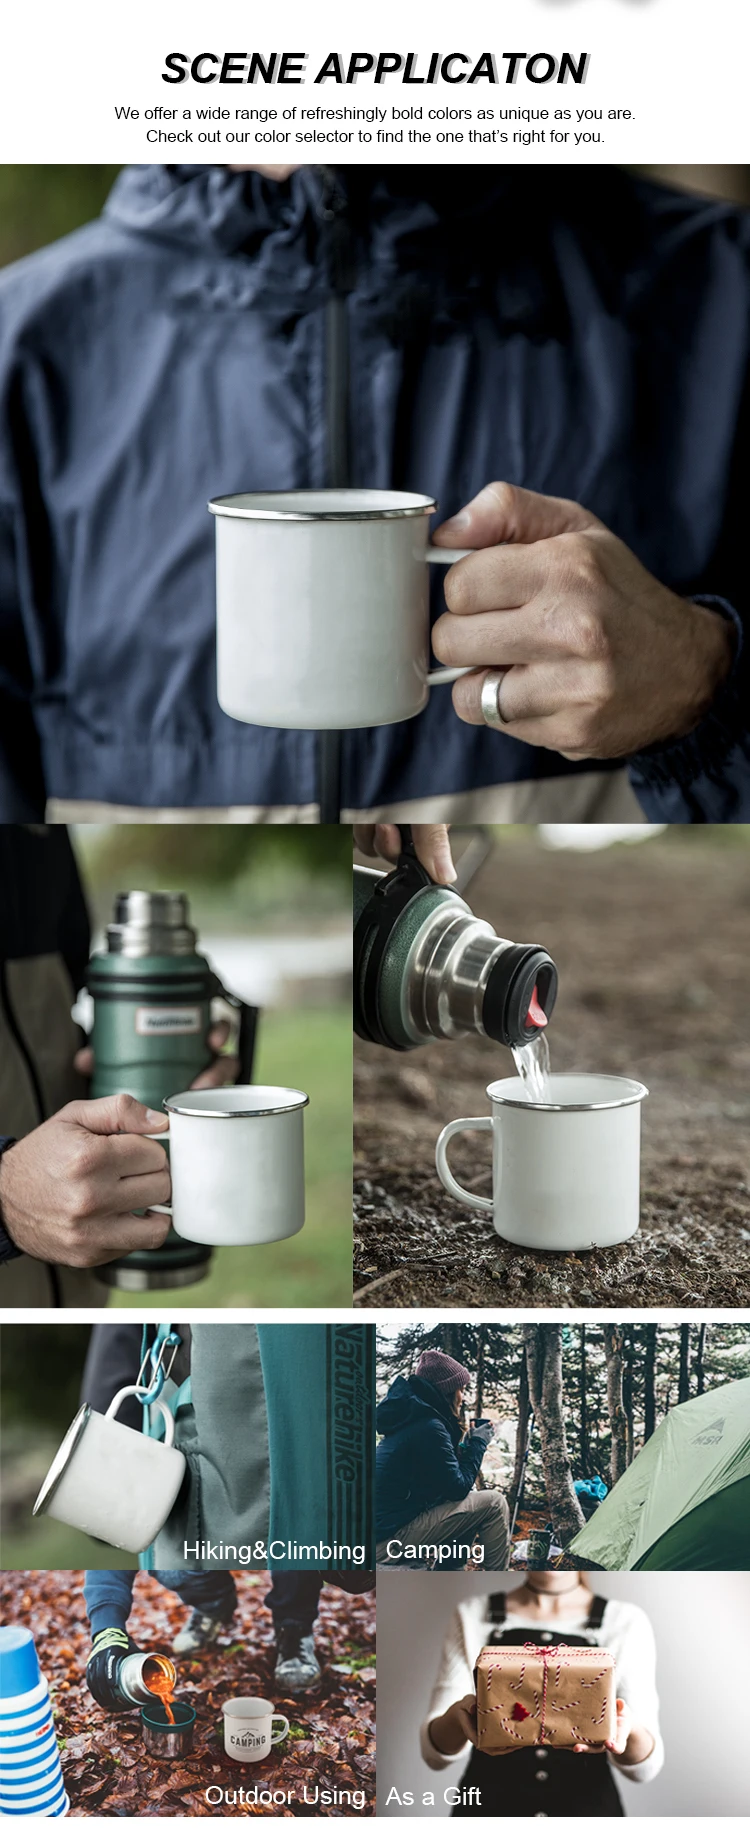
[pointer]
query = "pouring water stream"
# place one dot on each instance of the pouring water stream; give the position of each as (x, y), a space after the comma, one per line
(532, 1061)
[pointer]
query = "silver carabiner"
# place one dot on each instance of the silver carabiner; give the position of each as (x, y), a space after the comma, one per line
(148, 1391)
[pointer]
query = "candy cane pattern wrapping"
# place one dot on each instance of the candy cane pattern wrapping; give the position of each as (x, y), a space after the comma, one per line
(553, 1694)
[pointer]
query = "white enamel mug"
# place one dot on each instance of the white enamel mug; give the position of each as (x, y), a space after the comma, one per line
(249, 1728)
(322, 607)
(565, 1174)
(237, 1163)
(112, 1482)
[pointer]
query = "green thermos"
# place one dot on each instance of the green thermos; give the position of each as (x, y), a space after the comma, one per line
(425, 968)
(152, 992)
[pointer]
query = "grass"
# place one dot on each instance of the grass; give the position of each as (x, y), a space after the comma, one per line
(311, 1049)
(52, 1545)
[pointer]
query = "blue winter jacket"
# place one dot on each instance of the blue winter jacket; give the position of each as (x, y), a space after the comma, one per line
(421, 1458)
(581, 332)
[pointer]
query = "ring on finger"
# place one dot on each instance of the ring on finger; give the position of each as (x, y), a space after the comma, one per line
(491, 687)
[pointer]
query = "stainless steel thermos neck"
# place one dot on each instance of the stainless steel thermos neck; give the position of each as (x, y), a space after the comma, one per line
(135, 1676)
(426, 969)
(151, 921)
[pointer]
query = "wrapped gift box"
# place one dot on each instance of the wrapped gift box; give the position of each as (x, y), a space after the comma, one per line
(557, 1696)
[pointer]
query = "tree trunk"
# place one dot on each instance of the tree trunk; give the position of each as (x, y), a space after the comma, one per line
(447, 1339)
(613, 1343)
(480, 1375)
(522, 1432)
(627, 1399)
(700, 1358)
(649, 1383)
(587, 1466)
(683, 1388)
(543, 1345)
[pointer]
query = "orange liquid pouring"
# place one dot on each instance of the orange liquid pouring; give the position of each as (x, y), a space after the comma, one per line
(160, 1677)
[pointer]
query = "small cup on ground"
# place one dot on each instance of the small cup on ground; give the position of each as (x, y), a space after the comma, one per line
(249, 1728)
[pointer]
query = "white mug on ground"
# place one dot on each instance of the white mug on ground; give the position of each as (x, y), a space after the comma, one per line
(249, 1728)
(322, 607)
(112, 1482)
(237, 1164)
(566, 1174)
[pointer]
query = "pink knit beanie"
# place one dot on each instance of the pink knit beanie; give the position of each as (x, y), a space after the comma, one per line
(442, 1372)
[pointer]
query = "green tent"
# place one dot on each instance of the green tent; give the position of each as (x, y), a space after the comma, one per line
(684, 1504)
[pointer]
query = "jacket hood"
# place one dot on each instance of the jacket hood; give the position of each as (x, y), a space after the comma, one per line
(205, 207)
(450, 234)
(409, 1401)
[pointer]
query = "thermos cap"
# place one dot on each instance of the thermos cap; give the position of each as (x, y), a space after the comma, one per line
(151, 921)
(19, 1667)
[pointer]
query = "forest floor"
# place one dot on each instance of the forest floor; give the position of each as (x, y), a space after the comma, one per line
(107, 1770)
(652, 946)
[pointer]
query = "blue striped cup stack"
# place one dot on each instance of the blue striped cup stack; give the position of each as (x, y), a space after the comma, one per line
(30, 1776)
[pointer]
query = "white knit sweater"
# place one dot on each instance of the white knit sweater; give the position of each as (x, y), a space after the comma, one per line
(625, 1631)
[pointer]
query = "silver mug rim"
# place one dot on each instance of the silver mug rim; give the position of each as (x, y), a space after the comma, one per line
(603, 1105)
(253, 1112)
(227, 507)
(68, 1444)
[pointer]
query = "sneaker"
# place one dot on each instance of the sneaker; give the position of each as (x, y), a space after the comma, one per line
(297, 1666)
(198, 1633)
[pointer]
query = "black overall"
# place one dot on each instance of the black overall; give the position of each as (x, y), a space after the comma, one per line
(539, 1780)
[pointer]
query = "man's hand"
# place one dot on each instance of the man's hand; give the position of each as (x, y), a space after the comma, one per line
(601, 660)
(68, 1189)
(222, 1071)
(430, 842)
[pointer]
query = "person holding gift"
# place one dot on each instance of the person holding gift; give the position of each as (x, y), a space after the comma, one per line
(425, 1471)
(538, 1780)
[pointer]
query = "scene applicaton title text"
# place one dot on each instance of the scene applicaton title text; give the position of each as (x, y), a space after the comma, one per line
(406, 67)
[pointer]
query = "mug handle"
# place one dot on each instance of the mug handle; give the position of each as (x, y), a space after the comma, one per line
(125, 1393)
(159, 1208)
(447, 674)
(442, 1165)
(278, 1720)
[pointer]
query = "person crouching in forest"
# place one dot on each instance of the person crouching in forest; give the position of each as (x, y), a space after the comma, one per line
(546, 1607)
(427, 1511)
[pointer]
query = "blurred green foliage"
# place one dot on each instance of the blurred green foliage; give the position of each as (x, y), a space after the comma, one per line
(40, 1371)
(40, 203)
(233, 874)
(49, 1544)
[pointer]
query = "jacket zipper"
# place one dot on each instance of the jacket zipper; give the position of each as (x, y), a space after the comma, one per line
(339, 259)
(13, 1026)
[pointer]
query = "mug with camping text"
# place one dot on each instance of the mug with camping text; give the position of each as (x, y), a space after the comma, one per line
(322, 618)
(249, 1728)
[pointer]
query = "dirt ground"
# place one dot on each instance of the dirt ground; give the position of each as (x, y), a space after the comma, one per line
(652, 945)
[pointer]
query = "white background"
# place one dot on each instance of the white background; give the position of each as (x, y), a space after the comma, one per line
(677, 64)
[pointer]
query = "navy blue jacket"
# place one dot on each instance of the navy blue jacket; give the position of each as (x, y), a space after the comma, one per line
(421, 1458)
(578, 331)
